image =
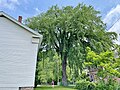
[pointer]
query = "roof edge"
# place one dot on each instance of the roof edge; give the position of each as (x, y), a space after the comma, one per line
(20, 24)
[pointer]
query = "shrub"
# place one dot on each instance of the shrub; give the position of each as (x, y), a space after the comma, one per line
(109, 85)
(85, 85)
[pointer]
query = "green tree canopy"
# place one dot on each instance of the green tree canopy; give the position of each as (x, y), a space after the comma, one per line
(69, 30)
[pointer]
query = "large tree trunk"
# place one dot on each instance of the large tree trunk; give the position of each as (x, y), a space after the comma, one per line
(64, 76)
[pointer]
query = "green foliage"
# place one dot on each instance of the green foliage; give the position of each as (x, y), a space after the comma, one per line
(45, 73)
(100, 85)
(117, 50)
(85, 85)
(49, 70)
(105, 62)
(68, 31)
(84, 76)
(109, 85)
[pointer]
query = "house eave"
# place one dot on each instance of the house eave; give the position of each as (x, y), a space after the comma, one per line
(3, 14)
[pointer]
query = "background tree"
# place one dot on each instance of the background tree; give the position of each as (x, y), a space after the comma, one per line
(106, 64)
(49, 70)
(68, 31)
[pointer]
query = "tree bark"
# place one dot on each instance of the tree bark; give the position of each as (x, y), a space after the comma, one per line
(64, 76)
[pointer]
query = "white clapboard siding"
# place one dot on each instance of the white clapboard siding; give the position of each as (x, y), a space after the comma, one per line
(17, 55)
(10, 88)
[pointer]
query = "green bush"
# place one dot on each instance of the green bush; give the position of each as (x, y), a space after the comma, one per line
(109, 85)
(85, 85)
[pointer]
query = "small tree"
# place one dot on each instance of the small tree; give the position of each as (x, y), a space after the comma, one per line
(107, 66)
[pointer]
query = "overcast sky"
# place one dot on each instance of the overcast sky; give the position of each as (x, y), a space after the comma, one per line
(110, 9)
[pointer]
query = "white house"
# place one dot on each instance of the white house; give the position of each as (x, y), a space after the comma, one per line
(18, 53)
(116, 28)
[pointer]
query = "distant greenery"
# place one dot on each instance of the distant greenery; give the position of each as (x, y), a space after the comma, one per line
(49, 70)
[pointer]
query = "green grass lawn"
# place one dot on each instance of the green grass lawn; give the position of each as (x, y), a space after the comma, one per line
(55, 88)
